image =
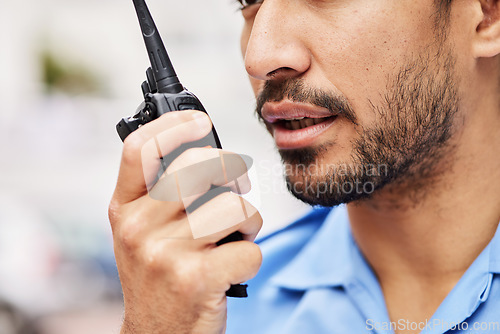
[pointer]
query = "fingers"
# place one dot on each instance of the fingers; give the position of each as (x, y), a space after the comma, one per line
(144, 148)
(163, 209)
(223, 215)
(194, 172)
(144, 218)
(172, 241)
(166, 254)
(213, 221)
(235, 262)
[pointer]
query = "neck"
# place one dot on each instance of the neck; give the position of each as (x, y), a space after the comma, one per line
(426, 242)
(430, 240)
(439, 225)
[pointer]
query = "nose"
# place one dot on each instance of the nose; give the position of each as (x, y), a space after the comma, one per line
(275, 48)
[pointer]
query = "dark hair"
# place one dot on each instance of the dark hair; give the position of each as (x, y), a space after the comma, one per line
(442, 16)
(445, 2)
(443, 6)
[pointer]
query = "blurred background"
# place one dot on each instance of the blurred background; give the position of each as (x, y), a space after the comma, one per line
(69, 70)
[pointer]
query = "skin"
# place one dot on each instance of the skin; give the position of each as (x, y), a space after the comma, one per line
(419, 237)
(173, 283)
(418, 244)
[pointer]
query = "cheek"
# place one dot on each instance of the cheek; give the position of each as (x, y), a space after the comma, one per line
(368, 49)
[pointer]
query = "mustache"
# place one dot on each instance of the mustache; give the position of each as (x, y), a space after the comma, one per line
(295, 90)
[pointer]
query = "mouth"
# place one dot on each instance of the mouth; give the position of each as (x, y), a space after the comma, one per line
(296, 125)
(300, 123)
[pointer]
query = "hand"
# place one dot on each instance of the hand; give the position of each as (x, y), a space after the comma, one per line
(173, 282)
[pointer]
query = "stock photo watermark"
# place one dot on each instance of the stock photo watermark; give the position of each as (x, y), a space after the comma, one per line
(434, 324)
(320, 179)
(193, 176)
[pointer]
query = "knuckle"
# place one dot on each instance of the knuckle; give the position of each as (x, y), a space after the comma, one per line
(231, 201)
(132, 147)
(129, 236)
(259, 222)
(252, 213)
(238, 163)
(254, 257)
(113, 212)
(252, 209)
(242, 184)
(177, 116)
(235, 164)
(153, 259)
(186, 274)
(180, 269)
(161, 256)
(191, 155)
(254, 253)
(258, 217)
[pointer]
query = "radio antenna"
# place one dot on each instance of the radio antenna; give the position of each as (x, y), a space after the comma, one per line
(163, 71)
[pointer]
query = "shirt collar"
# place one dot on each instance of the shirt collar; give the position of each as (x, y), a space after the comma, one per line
(473, 288)
(329, 259)
(325, 260)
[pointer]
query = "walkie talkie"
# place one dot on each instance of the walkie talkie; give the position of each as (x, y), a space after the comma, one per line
(163, 93)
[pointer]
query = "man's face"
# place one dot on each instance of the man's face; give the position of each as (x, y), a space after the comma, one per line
(374, 82)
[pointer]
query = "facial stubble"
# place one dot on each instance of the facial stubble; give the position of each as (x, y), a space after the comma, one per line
(403, 150)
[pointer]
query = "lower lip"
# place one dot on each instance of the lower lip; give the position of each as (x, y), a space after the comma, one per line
(290, 139)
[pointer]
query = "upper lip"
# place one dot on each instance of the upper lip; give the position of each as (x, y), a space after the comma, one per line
(273, 112)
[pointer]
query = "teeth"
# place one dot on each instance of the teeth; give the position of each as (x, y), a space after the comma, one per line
(294, 119)
(295, 125)
(309, 122)
(320, 120)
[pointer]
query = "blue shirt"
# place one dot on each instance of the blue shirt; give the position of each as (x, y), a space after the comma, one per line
(314, 280)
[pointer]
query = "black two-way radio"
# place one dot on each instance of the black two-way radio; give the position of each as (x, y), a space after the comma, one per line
(163, 93)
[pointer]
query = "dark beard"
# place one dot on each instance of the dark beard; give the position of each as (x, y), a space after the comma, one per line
(405, 147)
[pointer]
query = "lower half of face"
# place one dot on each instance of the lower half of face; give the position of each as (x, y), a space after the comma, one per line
(345, 159)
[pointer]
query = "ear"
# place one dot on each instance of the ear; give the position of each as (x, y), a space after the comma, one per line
(487, 43)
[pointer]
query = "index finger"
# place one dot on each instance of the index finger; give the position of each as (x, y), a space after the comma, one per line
(175, 128)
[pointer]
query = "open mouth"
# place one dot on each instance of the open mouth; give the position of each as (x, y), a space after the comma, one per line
(301, 123)
(295, 133)
(295, 125)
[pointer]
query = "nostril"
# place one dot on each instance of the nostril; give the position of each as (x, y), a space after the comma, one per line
(282, 71)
